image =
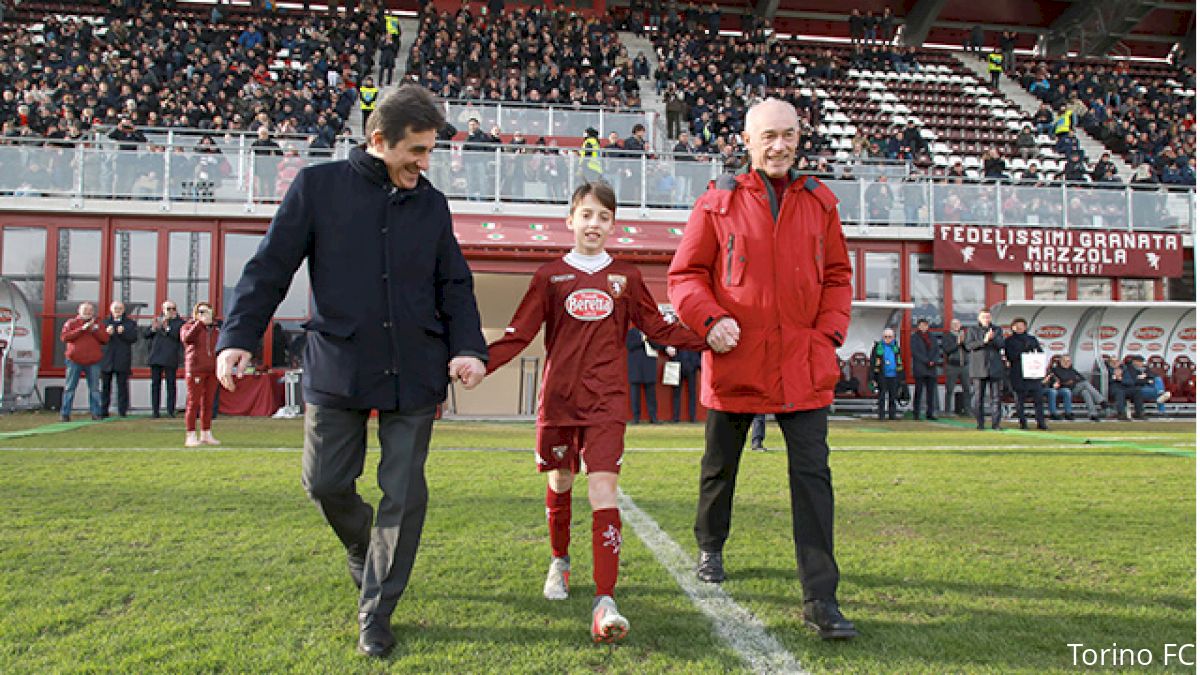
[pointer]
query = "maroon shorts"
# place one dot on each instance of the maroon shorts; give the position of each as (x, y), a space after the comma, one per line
(598, 447)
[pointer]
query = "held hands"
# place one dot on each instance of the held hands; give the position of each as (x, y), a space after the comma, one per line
(671, 351)
(724, 335)
(231, 365)
(468, 370)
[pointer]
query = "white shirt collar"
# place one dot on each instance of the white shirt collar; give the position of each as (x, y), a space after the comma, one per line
(588, 263)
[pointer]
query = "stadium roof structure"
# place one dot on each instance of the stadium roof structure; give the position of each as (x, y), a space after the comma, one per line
(1138, 28)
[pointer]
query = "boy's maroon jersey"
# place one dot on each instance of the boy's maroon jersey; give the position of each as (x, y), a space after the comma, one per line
(585, 380)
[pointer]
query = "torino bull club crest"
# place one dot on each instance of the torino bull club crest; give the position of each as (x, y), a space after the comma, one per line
(617, 284)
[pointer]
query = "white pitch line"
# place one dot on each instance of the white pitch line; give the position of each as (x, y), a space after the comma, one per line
(736, 625)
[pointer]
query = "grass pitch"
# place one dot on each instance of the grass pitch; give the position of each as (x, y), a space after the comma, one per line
(961, 551)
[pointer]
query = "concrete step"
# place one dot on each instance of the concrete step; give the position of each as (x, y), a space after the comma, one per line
(651, 101)
(408, 35)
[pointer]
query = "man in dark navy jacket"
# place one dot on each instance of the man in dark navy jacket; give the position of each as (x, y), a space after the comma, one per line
(924, 358)
(165, 346)
(394, 319)
(118, 359)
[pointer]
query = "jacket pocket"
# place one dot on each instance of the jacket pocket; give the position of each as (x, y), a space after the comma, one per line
(823, 363)
(735, 260)
(329, 361)
(339, 329)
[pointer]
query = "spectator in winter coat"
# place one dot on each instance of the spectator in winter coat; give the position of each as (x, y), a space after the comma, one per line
(887, 369)
(164, 336)
(984, 342)
(1024, 387)
(924, 355)
(85, 340)
(643, 372)
(118, 359)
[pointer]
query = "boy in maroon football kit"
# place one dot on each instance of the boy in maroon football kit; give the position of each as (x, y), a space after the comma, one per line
(587, 301)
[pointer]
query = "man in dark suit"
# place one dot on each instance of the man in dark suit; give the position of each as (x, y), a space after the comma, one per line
(118, 359)
(394, 319)
(689, 366)
(924, 364)
(163, 334)
(984, 342)
(643, 372)
(955, 355)
(1024, 387)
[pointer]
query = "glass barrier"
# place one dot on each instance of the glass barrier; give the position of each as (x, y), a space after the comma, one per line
(37, 171)
(549, 174)
(1162, 209)
(1099, 208)
(1030, 205)
(849, 199)
(535, 122)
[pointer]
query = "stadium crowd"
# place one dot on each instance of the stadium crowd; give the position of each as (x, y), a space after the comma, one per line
(1141, 120)
(210, 70)
(531, 55)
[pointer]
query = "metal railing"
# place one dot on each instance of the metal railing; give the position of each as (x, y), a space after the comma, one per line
(172, 175)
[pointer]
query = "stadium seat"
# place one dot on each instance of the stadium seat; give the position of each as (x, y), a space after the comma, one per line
(1183, 380)
(860, 368)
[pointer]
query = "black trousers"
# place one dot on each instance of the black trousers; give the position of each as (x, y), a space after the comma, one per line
(160, 375)
(1122, 393)
(889, 390)
(809, 479)
(335, 447)
(925, 385)
(985, 387)
(635, 397)
(1032, 393)
(691, 380)
(106, 381)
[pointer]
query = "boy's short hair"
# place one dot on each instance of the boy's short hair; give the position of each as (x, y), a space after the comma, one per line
(602, 191)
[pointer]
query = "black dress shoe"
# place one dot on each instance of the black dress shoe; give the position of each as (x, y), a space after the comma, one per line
(824, 617)
(375, 635)
(155, 415)
(1043, 427)
(979, 426)
(711, 568)
(931, 418)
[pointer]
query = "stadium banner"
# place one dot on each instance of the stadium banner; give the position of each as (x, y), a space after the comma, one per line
(1079, 253)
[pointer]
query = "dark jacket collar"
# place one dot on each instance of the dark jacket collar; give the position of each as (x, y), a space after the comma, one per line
(374, 170)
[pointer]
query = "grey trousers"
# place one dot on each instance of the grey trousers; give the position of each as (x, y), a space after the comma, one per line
(335, 448)
(954, 375)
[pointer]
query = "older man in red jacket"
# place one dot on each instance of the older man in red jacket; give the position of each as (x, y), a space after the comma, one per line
(763, 272)
(85, 340)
